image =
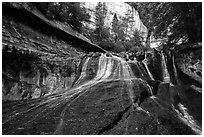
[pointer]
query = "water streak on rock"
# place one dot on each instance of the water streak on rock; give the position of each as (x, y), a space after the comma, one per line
(166, 75)
(130, 79)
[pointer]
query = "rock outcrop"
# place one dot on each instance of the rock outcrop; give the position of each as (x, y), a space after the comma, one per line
(108, 97)
(51, 86)
(121, 9)
(37, 53)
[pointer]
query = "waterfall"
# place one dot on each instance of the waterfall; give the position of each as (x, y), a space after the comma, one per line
(104, 72)
(174, 69)
(141, 70)
(150, 75)
(109, 68)
(102, 65)
(127, 72)
(166, 76)
(140, 74)
(123, 86)
(188, 119)
(83, 73)
(115, 68)
(146, 68)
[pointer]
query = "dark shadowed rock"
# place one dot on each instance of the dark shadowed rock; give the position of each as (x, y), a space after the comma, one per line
(63, 90)
(110, 100)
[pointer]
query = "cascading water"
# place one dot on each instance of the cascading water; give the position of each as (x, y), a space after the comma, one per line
(188, 119)
(83, 73)
(150, 75)
(126, 81)
(174, 68)
(127, 72)
(106, 72)
(115, 68)
(166, 75)
(141, 70)
(146, 68)
(185, 116)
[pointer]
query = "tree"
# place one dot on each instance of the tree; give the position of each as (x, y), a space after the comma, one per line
(135, 42)
(146, 11)
(100, 15)
(137, 39)
(127, 22)
(107, 44)
(67, 12)
(123, 39)
(105, 33)
(77, 15)
(115, 27)
(172, 22)
(102, 32)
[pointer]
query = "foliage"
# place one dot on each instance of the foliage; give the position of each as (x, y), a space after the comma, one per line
(105, 33)
(118, 28)
(124, 40)
(119, 47)
(137, 39)
(66, 12)
(128, 45)
(107, 44)
(172, 22)
(100, 14)
(135, 49)
(115, 27)
(88, 32)
(74, 15)
(127, 22)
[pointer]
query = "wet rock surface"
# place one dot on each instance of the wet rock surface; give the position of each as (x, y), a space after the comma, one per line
(113, 100)
(35, 62)
(94, 93)
(189, 61)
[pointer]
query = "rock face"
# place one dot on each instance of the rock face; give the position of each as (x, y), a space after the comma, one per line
(26, 76)
(108, 97)
(120, 9)
(49, 87)
(39, 56)
(189, 62)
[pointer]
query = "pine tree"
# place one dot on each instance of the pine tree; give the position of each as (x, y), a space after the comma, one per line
(100, 15)
(127, 22)
(67, 12)
(171, 22)
(115, 27)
